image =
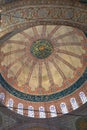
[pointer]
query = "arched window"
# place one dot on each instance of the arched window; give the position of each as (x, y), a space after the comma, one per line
(2, 97)
(53, 111)
(20, 109)
(73, 103)
(63, 108)
(10, 104)
(83, 97)
(42, 112)
(30, 111)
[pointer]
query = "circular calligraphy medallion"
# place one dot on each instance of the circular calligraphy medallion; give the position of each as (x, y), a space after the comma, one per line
(41, 49)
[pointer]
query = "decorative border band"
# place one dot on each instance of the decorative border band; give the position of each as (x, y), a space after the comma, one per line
(44, 98)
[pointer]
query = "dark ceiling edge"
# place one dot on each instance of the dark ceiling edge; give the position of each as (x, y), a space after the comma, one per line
(83, 1)
(85, 34)
(51, 123)
(17, 3)
(20, 118)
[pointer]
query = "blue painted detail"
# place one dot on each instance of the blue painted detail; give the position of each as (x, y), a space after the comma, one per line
(44, 98)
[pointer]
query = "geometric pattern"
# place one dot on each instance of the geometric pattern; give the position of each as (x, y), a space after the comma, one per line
(45, 98)
(43, 63)
(41, 49)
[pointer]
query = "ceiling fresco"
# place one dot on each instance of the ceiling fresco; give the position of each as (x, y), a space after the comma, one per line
(22, 14)
(43, 63)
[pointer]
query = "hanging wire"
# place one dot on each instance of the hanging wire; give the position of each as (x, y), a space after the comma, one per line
(71, 114)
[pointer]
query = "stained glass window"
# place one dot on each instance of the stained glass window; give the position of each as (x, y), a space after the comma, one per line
(2, 97)
(73, 103)
(20, 109)
(10, 104)
(83, 97)
(42, 112)
(53, 111)
(30, 111)
(63, 108)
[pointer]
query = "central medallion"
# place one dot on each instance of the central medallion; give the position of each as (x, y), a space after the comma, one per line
(41, 48)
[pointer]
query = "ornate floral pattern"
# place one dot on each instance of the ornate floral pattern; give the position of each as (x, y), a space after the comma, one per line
(27, 13)
(41, 49)
(44, 63)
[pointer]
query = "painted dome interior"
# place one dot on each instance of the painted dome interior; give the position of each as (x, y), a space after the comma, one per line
(43, 63)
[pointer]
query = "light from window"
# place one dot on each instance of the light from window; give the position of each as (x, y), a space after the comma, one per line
(2, 97)
(30, 111)
(42, 112)
(74, 103)
(63, 108)
(20, 109)
(83, 97)
(53, 111)
(10, 104)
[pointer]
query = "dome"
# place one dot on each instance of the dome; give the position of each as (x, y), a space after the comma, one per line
(44, 65)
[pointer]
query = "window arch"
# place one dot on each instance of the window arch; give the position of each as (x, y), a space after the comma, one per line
(30, 111)
(63, 108)
(2, 97)
(73, 103)
(53, 111)
(20, 109)
(42, 112)
(83, 97)
(10, 104)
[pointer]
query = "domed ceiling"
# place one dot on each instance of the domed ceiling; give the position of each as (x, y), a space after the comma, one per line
(43, 63)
